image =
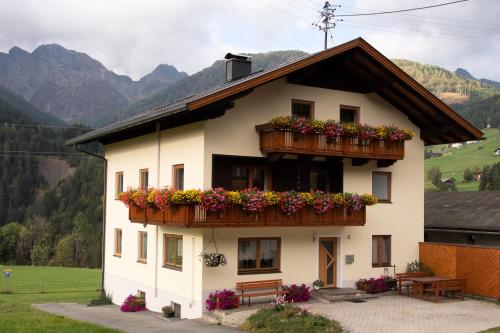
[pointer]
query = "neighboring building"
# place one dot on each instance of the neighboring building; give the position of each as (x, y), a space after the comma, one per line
(210, 140)
(463, 217)
(497, 151)
(457, 145)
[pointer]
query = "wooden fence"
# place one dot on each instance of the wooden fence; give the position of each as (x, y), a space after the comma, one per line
(479, 266)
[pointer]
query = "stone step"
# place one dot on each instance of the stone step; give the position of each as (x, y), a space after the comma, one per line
(340, 295)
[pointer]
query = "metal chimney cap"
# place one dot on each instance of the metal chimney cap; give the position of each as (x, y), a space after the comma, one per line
(242, 57)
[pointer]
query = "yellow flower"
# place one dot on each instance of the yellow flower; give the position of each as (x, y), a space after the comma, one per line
(271, 198)
(233, 197)
(369, 199)
(307, 197)
(409, 134)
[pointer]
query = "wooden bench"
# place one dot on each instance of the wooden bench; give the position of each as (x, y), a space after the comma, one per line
(251, 289)
(404, 280)
(446, 286)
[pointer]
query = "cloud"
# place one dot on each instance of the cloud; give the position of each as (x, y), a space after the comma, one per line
(132, 37)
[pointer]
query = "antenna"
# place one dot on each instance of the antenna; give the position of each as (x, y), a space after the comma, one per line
(329, 21)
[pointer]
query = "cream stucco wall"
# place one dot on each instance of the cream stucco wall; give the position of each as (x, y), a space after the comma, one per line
(234, 134)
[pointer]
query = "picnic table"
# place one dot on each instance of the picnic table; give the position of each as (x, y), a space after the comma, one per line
(437, 283)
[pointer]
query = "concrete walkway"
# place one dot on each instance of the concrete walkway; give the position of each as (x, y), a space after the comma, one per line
(401, 314)
(132, 322)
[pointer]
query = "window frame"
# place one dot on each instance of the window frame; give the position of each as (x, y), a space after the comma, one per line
(380, 239)
(388, 174)
(356, 109)
(258, 270)
(140, 256)
(141, 172)
(268, 177)
(176, 167)
(117, 191)
(303, 102)
(118, 243)
(165, 251)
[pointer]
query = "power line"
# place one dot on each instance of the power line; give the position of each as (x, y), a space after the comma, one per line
(46, 126)
(329, 22)
(403, 10)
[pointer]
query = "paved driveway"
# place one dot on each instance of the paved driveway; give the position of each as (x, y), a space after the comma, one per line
(403, 314)
(137, 322)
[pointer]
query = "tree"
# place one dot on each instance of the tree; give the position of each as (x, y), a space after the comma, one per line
(434, 175)
(468, 175)
(490, 178)
(40, 254)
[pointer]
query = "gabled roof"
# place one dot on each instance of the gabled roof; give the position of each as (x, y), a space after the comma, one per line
(352, 66)
(478, 210)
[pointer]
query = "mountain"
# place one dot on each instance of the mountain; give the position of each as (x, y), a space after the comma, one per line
(492, 83)
(203, 80)
(481, 112)
(450, 87)
(72, 85)
(27, 109)
(466, 75)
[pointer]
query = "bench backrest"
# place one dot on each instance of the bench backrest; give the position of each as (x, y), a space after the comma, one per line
(406, 276)
(264, 284)
(451, 284)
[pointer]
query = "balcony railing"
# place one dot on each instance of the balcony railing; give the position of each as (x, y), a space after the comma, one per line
(194, 216)
(286, 142)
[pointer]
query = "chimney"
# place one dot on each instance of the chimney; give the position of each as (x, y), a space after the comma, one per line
(237, 66)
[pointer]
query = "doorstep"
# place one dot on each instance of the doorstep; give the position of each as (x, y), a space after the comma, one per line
(331, 295)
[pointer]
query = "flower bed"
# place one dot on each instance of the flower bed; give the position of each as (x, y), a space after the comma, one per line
(133, 304)
(223, 300)
(375, 286)
(297, 293)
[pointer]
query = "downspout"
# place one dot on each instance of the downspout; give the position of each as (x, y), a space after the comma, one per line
(103, 239)
(158, 137)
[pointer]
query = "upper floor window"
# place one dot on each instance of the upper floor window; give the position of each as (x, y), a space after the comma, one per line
(118, 184)
(178, 176)
(172, 251)
(118, 242)
(143, 178)
(319, 180)
(381, 185)
(381, 250)
(258, 255)
(250, 177)
(302, 108)
(349, 114)
(143, 247)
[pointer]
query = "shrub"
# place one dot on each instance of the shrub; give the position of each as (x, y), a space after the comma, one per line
(297, 293)
(227, 300)
(373, 286)
(133, 304)
(104, 299)
(417, 266)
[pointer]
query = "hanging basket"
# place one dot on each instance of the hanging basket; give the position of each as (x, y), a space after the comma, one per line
(213, 259)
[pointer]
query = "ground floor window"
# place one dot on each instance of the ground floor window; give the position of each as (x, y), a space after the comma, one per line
(259, 255)
(172, 251)
(381, 250)
(143, 247)
(118, 242)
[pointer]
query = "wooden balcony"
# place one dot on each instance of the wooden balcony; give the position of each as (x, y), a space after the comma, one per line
(286, 142)
(191, 216)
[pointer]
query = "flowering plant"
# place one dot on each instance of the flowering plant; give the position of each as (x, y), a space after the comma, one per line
(281, 123)
(297, 293)
(126, 197)
(321, 202)
(317, 126)
(279, 302)
(252, 200)
(366, 132)
(139, 198)
(373, 286)
(213, 259)
(162, 198)
(368, 199)
(214, 200)
(332, 130)
(133, 303)
(300, 125)
(225, 299)
(271, 198)
(233, 198)
(291, 202)
(186, 197)
(353, 201)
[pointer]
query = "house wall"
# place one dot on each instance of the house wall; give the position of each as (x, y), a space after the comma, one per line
(234, 134)
(125, 275)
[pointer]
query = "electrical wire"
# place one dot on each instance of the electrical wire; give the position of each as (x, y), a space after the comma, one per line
(403, 10)
(46, 126)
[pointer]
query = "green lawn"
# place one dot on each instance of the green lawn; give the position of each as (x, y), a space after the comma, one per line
(455, 160)
(75, 285)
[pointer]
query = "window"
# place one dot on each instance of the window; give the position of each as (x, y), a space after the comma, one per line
(178, 177)
(118, 184)
(381, 186)
(319, 180)
(172, 251)
(349, 114)
(143, 246)
(118, 242)
(381, 251)
(250, 177)
(258, 255)
(302, 108)
(143, 178)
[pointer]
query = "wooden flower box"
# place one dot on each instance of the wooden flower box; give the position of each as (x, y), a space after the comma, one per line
(137, 214)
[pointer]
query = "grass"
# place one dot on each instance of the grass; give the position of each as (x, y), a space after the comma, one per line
(492, 330)
(289, 319)
(455, 160)
(69, 285)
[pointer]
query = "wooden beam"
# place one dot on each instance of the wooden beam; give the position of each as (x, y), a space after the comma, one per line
(359, 161)
(385, 163)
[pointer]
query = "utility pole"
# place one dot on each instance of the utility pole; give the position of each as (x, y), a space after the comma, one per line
(329, 22)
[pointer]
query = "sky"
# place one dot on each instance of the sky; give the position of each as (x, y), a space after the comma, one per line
(132, 37)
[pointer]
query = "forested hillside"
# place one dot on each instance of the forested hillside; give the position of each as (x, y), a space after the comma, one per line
(50, 206)
(481, 112)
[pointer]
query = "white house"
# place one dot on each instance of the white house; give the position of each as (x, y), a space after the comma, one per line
(213, 139)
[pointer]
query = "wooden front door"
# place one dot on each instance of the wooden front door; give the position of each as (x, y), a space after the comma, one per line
(328, 261)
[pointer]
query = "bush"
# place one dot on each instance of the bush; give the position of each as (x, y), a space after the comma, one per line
(417, 266)
(133, 304)
(297, 293)
(227, 300)
(290, 319)
(104, 299)
(468, 175)
(375, 286)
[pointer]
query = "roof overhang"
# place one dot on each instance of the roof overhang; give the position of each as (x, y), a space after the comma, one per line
(353, 66)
